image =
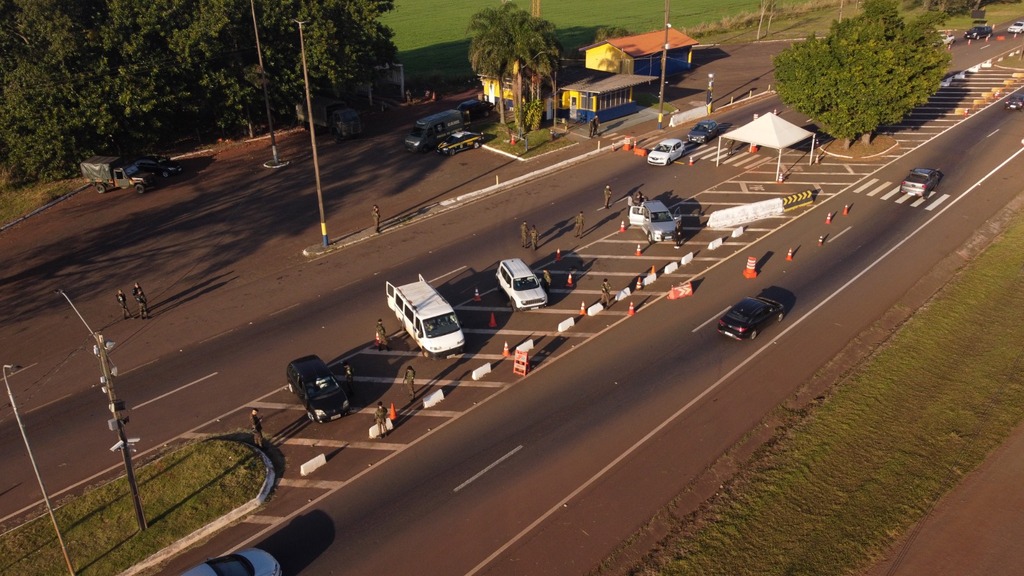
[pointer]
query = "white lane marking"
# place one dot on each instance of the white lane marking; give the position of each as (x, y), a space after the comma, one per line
(446, 274)
(865, 186)
(935, 204)
(486, 470)
(880, 188)
(891, 193)
(917, 202)
(903, 198)
(710, 320)
(176, 390)
(832, 239)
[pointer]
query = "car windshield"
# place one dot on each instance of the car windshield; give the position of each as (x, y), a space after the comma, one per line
(527, 283)
(702, 128)
(131, 170)
(417, 131)
(322, 386)
(441, 325)
(661, 217)
(663, 147)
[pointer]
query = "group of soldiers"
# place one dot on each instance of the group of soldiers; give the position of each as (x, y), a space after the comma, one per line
(529, 237)
(140, 298)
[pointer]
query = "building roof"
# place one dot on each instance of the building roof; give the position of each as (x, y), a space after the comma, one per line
(649, 43)
(598, 81)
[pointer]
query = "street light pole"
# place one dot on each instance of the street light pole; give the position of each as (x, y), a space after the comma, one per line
(664, 58)
(46, 499)
(116, 410)
(276, 162)
(312, 137)
(711, 87)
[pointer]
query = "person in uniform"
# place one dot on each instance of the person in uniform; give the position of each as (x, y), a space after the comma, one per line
(679, 232)
(607, 197)
(140, 297)
(579, 225)
(534, 237)
(123, 301)
(380, 417)
(376, 219)
(524, 232)
(350, 378)
(606, 293)
(257, 427)
(382, 336)
(410, 381)
(547, 281)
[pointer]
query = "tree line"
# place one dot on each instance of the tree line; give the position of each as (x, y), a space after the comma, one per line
(85, 77)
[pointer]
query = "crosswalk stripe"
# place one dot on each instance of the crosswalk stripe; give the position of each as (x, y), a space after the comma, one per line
(917, 203)
(865, 185)
(891, 193)
(901, 199)
(936, 203)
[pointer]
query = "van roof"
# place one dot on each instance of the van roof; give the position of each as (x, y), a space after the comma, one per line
(427, 302)
(517, 267)
(453, 114)
(655, 206)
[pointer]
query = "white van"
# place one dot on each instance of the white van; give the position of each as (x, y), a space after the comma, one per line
(521, 285)
(427, 317)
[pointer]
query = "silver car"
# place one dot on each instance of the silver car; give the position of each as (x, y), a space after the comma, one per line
(654, 218)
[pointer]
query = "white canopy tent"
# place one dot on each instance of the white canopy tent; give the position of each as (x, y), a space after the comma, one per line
(772, 132)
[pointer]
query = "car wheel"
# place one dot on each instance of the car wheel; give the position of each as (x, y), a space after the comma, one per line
(476, 144)
(101, 187)
(290, 388)
(753, 334)
(165, 173)
(140, 188)
(781, 314)
(311, 417)
(650, 237)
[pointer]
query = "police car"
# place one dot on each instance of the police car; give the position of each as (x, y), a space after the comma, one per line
(459, 141)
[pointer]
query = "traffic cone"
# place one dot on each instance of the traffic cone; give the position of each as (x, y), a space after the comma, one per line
(558, 255)
(392, 413)
(780, 178)
(476, 295)
(828, 218)
(846, 209)
(568, 281)
(622, 226)
(652, 270)
(493, 323)
(638, 252)
(505, 352)
(583, 308)
(632, 311)
(639, 283)
(691, 160)
(751, 270)
(789, 255)
(821, 240)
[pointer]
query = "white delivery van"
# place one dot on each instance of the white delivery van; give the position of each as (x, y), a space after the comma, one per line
(427, 317)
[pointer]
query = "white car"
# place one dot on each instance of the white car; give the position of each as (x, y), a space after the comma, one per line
(1016, 28)
(249, 562)
(521, 285)
(666, 152)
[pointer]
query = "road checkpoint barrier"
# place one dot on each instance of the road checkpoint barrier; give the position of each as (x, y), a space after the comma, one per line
(751, 269)
(433, 399)
(623, 294)
(671, 267)
(627, 143)
(737, 215)
(374, 433)
(716, 243)
(525, 346)
(595, 309)
(521, 365)
(682, 291)
(798, 200)
(319, 460)
(566, 324)
(649, 279)
(738, 232)
(686, 259)
(482, 371)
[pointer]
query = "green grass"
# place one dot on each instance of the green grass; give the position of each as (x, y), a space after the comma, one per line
(846, 479)
(181, 492)
(540, 141)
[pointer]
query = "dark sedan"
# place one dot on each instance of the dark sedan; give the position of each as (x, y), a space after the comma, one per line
(475, 109)
(749, 316)
(1014, 102)
(161, 165)
(459, 141)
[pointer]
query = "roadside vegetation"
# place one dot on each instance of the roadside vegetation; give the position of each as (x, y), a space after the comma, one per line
(181, 492)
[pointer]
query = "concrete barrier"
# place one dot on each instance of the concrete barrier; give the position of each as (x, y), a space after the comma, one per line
(737, 215)
(670, 267)
(595, 309)
(716, 243)
(623, 294)
(433, 399)
(686, 259)
(649, 279)
(525, 346)
(308, 467)
(375, 433)
(738, 232)
(566, 324)
(482, 371)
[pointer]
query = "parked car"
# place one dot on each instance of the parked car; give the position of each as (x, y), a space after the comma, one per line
(920, 181)
(948, 39)
(749, 316)
(666, 152)
(312, 381)
(475, 109)
(1014, 102)
(161, 165)
(1016, 28)
(462, 140)
(654, 219)
(521, 285)
(978, 32)
(248, 562)
(704, 131)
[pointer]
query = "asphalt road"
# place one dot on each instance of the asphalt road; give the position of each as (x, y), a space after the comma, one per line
(618, 417)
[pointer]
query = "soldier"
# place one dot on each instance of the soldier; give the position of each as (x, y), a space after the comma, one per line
(410, 381)
(382, 336)
(123, 301)
(579, 225)
(547, 280)
(376, 219)
(607, 197)
(257, 428)
(380, 417)
(679, 232)
(524, 232)
(606, 293)
(349, 378)
(533, 237)
(140, 297)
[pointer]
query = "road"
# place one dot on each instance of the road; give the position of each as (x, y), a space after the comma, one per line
(619, 415)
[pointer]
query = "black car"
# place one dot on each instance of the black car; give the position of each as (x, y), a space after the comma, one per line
(459, 141)
(1014, 102)
(978, 32)
(749, 316)
(704, 131)
(161, 165)
(315, 385)
(475, 109)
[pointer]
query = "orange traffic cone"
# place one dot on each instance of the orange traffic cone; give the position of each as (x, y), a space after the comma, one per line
(505, 352)
(622, 226)
(846, 209)
(652, 269)
(568, 281)
(558, 255)
(828, 218)
(638, 252)
(639, 283)
(691, 160)
(821, 240)
(632, 310)
(392, 414)
(583, 308)
(493, 323)
(789, 255)
(476, 295)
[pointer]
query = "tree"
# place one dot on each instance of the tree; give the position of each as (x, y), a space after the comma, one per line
(870, 70)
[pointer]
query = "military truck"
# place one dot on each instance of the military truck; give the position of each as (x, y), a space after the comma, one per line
(109, 172)
(333, 114)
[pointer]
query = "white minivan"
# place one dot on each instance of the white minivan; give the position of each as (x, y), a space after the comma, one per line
(522, 286)
(427, 317)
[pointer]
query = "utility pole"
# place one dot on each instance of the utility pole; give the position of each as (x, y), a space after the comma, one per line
(117, 411)
(312, 137)
(275, 162)
(664, 57)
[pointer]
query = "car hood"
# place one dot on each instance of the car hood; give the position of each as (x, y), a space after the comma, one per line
(331, 403)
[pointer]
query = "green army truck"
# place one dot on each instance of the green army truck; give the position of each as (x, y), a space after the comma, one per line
(109, 172)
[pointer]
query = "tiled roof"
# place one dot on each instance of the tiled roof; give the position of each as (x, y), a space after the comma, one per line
(597, 81)
(648, 43)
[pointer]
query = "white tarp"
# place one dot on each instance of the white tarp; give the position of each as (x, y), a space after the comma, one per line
(769, 131)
